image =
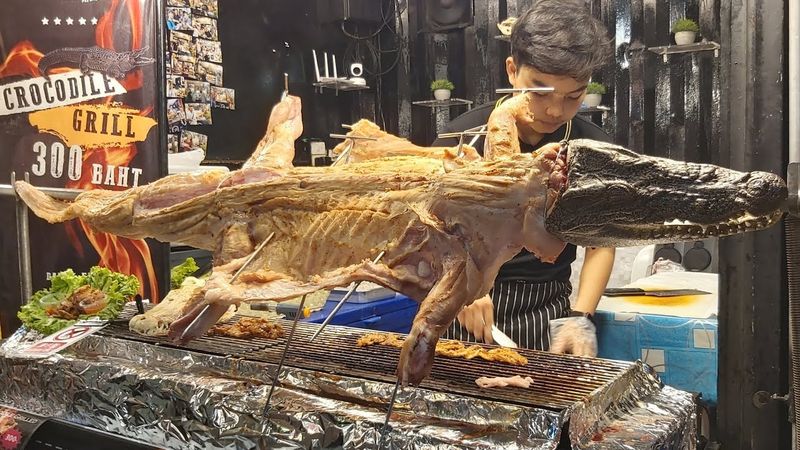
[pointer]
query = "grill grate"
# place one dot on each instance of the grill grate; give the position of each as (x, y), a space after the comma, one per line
(559, 380)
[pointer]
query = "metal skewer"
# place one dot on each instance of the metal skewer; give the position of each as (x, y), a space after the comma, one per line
(346, 152)
(475, 138)
(344, 136)
(252, 257)
(345, 155)
(477, 131)
(233, 280)
(275, 379)
(344, 299)
(285, 86)
(388, 414)
(526, 89)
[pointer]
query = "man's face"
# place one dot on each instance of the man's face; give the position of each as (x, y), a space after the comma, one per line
(550, 109)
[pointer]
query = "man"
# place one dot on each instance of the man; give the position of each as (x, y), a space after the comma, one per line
(558, 44)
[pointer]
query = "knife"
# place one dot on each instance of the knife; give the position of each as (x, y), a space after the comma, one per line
(502, 339)
(626, 292)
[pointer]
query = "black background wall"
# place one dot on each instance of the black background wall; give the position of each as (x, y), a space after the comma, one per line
(260, 41)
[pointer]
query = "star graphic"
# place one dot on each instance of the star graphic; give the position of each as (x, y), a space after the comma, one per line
(94, 20)
(45, 21)
(57, 21)
(69, 21)
(82, 21)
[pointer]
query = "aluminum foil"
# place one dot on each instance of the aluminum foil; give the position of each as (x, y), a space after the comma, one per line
(180, 399)
(635, 412)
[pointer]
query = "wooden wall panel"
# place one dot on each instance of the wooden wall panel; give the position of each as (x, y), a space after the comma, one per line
(661, 108)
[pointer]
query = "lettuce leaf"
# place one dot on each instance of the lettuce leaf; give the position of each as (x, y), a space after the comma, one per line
(181, 271)
(118, 288)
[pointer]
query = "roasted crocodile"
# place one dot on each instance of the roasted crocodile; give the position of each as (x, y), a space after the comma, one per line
(445, 233)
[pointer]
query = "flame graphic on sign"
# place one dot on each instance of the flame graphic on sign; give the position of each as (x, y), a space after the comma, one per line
(128, 256)
(24, 60)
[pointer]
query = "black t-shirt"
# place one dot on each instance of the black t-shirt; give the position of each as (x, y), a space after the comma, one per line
(525, 266)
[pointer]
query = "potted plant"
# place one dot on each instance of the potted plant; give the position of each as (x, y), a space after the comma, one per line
(594, 94)
(685, 31)
(441, 89)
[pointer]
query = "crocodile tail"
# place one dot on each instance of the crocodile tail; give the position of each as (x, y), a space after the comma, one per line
(43, 205)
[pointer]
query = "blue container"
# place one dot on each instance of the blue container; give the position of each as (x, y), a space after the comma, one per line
(682, 351)
(392, 314)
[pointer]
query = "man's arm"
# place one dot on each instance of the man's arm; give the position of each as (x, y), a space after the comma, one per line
(596, 270)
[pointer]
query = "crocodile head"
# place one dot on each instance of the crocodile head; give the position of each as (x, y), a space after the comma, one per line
(128, 61)
(613, 197)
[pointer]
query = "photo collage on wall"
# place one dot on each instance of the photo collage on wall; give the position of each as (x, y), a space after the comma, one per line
(194, 72)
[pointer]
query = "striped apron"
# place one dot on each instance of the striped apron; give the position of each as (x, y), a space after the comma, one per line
(523, 311)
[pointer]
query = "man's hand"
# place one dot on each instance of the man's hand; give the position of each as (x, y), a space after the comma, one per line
(478, 319)
(575, 335)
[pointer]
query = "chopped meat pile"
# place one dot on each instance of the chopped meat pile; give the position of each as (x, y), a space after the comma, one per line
(84, 300)
(249, 327)
(516, 381)
(450, 349)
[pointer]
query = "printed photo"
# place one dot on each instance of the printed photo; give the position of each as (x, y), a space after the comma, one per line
(184, 65)
(223, 98)
(173, 143)
(175, 111)
(179, 19)
(209, 50)
(198, 113)
(178, 3)
(191, 141)
(205, 7)
(181, 44)
(205, 28)
(198, 92)
(210, 72)
(176, 86)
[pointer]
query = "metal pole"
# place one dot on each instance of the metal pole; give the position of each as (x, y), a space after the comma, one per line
(23, 246)
(793, 171)
(59, 193)
(793, 181)
(794, 79)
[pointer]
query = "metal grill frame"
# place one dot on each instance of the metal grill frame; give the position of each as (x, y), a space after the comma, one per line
(560, 381)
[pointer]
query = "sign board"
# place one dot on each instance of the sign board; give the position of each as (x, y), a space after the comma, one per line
(60, 340)
(81, 107)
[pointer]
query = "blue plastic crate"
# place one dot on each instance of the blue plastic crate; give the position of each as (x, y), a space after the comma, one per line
(682, 351)
(392, 314)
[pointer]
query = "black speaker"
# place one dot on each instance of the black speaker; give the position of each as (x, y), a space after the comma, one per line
(445, 15)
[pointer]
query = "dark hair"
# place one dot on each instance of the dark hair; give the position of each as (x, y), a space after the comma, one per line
(560, 37)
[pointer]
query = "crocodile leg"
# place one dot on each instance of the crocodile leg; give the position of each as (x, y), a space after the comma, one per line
(83, 64)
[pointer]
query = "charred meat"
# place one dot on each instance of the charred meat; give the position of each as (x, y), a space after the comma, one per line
(248, 328)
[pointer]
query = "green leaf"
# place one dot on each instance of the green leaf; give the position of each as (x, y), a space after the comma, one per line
(181, 271)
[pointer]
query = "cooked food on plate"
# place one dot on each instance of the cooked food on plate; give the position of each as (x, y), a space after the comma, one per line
(100, 293)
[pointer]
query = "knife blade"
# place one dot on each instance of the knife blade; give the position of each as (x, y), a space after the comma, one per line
(629, 292)
(502, 339)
